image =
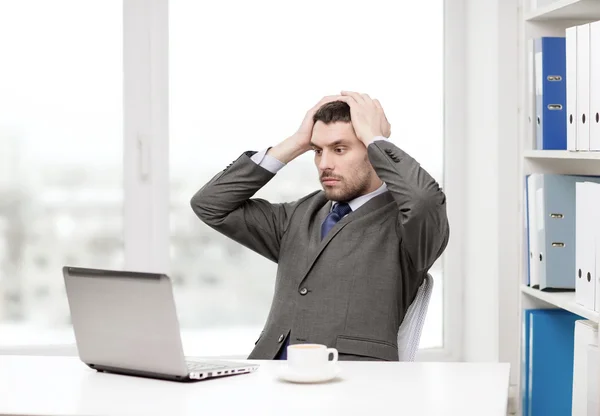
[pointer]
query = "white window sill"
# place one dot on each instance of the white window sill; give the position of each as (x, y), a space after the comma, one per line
(234, 342)
(217, 342)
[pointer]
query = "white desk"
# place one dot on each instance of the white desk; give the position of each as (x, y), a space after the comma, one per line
(64, 386)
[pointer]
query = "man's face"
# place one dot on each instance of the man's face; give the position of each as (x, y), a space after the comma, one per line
(342, 161)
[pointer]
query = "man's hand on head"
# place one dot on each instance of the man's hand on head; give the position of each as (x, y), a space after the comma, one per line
(368, 117)
(299, 143)
(304, 133)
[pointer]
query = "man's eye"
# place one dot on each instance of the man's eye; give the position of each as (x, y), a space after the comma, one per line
(339, 150)
(317, 151)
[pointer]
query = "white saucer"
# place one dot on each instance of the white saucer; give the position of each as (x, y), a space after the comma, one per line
(288, 374)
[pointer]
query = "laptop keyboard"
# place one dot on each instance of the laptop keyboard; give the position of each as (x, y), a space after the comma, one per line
(196, 366)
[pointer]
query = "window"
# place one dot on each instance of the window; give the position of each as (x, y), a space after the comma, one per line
(60, 157)
(241, 77)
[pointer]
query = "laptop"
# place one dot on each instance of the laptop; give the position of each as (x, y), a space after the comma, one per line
(126, 323)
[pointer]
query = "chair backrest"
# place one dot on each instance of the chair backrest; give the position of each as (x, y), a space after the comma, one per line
(409, 333)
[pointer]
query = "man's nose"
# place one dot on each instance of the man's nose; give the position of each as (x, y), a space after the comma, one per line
(325, 162)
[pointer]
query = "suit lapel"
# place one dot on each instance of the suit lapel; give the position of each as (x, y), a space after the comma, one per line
(315, 231)
(316, 245)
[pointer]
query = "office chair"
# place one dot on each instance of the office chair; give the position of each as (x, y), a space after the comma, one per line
(409, 333)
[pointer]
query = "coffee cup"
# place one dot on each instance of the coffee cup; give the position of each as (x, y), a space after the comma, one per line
(311, 358)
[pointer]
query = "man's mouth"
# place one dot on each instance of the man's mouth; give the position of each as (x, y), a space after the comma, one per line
(329, 181)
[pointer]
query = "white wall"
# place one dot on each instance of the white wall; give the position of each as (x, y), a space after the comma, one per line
(481, 263)
(491, 330)
(508, 181)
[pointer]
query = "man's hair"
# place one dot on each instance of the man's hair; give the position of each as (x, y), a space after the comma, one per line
(332, 112)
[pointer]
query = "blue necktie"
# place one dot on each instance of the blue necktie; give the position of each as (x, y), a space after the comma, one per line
(338, 212)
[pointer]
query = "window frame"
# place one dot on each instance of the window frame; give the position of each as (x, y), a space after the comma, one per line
(455, 83)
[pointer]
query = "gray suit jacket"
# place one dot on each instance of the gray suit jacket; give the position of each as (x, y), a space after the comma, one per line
(351, 290)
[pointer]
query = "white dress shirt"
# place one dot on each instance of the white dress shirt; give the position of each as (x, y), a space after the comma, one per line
(356, 203)
(273, 165)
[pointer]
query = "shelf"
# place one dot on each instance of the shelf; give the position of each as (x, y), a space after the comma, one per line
(566, 9)
(562, 300)
(561, 154)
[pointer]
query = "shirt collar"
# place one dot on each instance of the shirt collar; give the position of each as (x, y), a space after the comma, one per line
(356, 203)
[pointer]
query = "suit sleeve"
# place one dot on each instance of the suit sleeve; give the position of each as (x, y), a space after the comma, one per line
(422, 224)
(225, 204)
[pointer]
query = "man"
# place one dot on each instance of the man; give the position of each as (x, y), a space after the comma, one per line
(350, 257)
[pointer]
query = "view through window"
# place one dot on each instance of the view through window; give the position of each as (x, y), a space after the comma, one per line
(61, 193)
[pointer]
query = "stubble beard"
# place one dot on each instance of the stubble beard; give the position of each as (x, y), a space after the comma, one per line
(346, 190)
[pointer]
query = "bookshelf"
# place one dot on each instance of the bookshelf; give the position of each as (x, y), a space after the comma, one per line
(563, 300)
(565, 10)
(549, 20)
(561, 155)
